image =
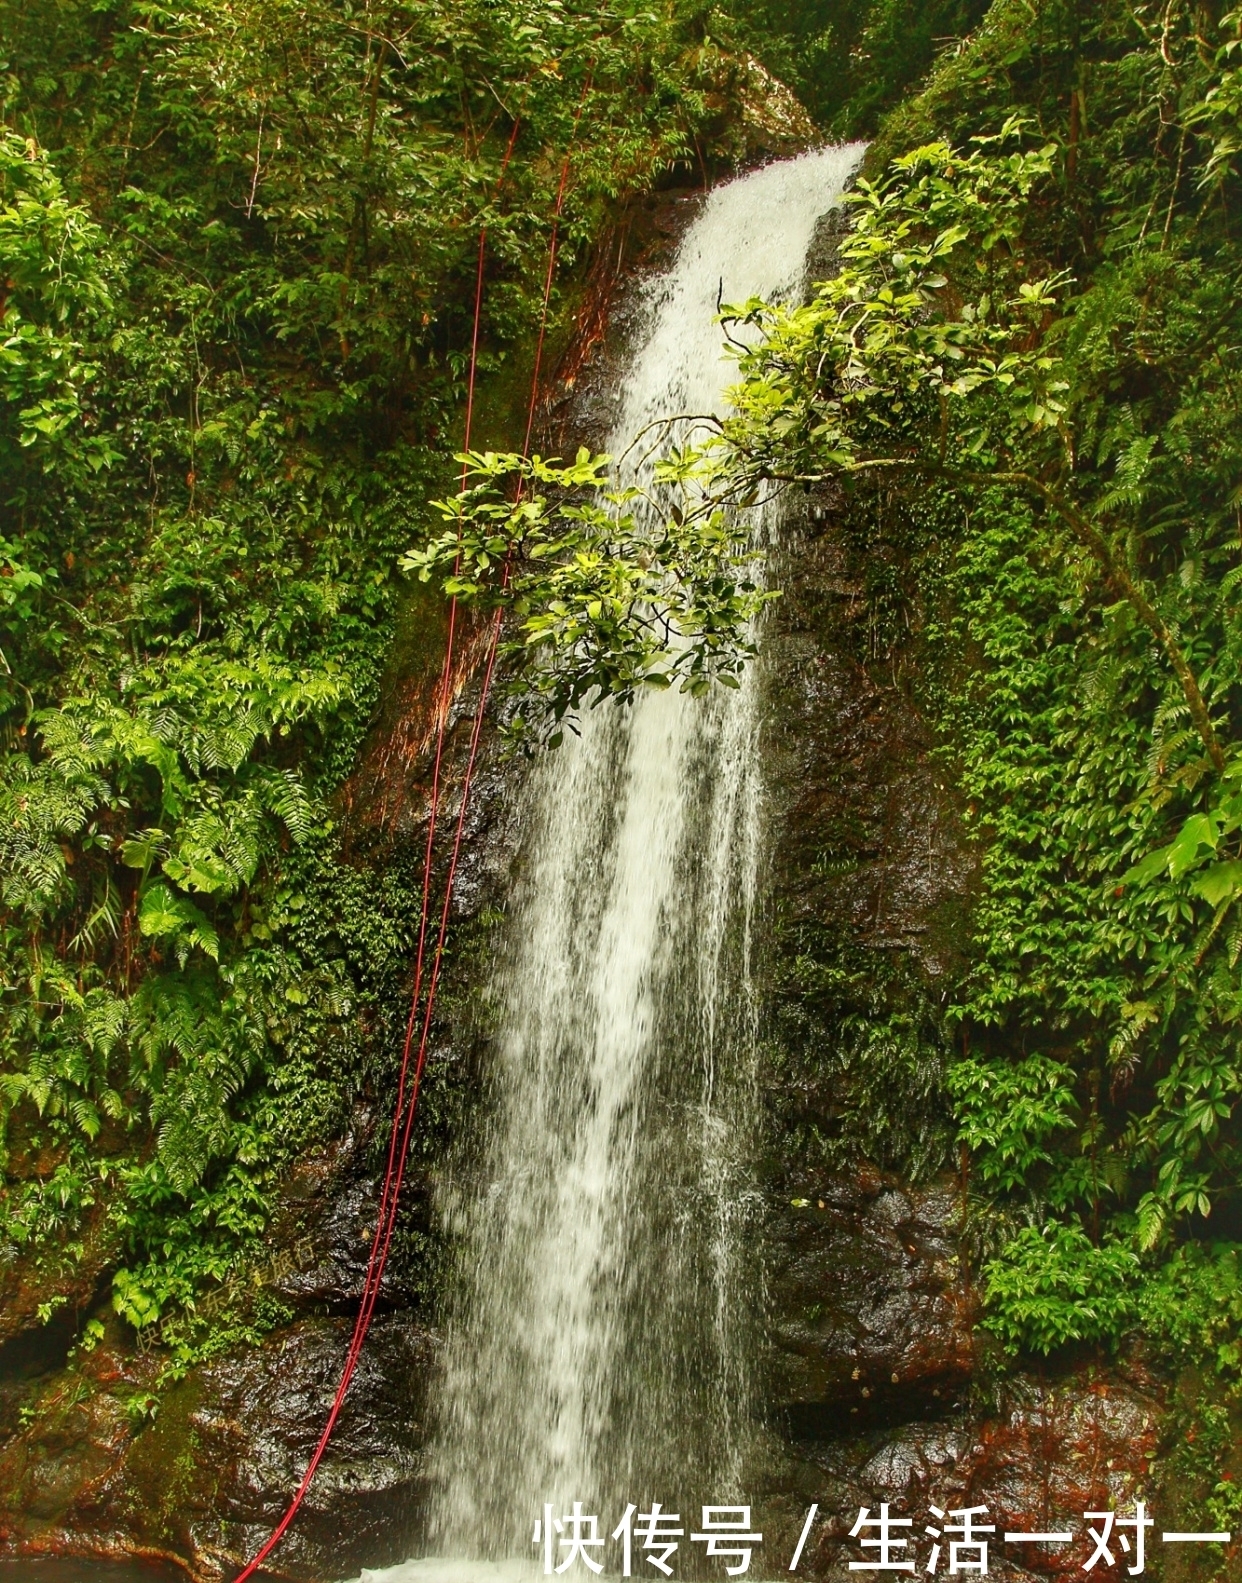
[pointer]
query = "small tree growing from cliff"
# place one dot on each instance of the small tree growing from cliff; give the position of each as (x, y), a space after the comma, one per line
(610, 591)
(928, 355)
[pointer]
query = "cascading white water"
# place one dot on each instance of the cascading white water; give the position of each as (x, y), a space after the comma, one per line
(599, 1349)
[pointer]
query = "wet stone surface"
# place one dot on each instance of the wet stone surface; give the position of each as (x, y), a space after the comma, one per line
(83, 1570)
(1052, 1451)
(872, 1316)
(209, 1478)
(878, 1389)
(257, 1418)
(866, 831)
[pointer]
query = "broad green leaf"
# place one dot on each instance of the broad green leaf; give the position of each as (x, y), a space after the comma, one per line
(1222, 882)
(1197, 837)
(1148, 868)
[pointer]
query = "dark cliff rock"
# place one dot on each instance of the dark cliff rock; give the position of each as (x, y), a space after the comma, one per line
(253, 1420)
(1047, 1453)
(208, 1479)
(97, 1458)
(29, 1283)
(878, 1388)
(871, 1307)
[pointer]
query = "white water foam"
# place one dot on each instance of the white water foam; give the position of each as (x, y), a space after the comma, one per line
(600, 1347)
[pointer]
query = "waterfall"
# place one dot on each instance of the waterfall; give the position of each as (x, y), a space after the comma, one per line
(602, 1342)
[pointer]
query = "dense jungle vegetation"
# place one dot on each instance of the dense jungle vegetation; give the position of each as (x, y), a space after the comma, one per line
(1024, 386)
(237, 254)
(238, 246)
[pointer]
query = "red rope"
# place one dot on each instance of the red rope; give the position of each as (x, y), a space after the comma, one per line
(404, 1110)
(547, 284)
(398, 1142)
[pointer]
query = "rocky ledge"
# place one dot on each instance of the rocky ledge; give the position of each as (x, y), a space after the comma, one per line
(876, 1393)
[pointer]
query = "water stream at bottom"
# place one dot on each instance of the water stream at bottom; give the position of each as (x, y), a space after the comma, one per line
(600, 1345)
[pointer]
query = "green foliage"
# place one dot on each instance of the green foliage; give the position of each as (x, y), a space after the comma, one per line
(1052, 1287)
(604, 600)
(55, 294)
(237, 255)
(1193, 1307)
(1009, 1113)
(1200, 1473)
(925, 320)
(1031, 352)
(849, 60)
(857, 1069)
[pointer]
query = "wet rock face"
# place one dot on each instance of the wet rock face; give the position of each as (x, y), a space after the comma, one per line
(872, 1315)
(320, 1240)
(208, 1479)
(86, 1469)
(867, 838)
(253, 1420)
(875, 1390)
(1050, 1453)
(26, 1284)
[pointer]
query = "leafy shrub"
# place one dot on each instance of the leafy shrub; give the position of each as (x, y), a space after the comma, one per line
(1029, 356)
(1009, 1113)
(1054, 1286)
(1193, 1306)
